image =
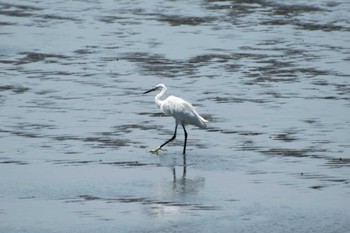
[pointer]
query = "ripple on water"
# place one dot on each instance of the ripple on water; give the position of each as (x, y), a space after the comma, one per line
(14, 88)
(31, 57)
(155, 204)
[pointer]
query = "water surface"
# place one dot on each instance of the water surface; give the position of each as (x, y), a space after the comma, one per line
(272, 77)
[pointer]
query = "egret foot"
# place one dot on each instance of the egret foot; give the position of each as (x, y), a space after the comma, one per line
(154, 151)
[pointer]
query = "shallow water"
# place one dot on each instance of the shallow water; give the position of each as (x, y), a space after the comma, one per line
(272, 77)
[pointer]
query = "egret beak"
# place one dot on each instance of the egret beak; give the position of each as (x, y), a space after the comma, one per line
(153, 89)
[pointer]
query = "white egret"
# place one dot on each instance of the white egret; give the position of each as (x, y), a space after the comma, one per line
(183, 112)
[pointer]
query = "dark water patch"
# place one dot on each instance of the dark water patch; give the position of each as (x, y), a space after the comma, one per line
(21, 133)
(310, 71)
(241, 8)
(133, 199)
(257, 172)
(19, 7)
(113, 47)
(280, 76)
(220, 130)
(332, 4)
(74, 162)
(338, 163)
(220, 99)
(210, 5)
(90, 198)
(15, 89)
(346, 98)
(28, 126)
(225, 131)
(153, 114)
(287, 136)
(121, 130)
(306, 26)
(48, 104)
(84, 51)
(196, 143)
(273, 63)
(249, 133)
(27, 197)
(277, 8)
(110, 163)
(111, 19)
(233, 67)
(284, 137)
(176, 20)
(320, 83)
(343, 89)
(317, 186)
(288, 152)
(154, 204)
(6, 24)
(30, 57)
(130, 164)
(72, 152)
(88, 49)
(277, 95)
(276, 22)
(86, 197)
(253, 55)
(45, 92)
(6, 61)
(17, 10)
(190, 206)
(248, 145)
(66, 98)
(221, 58)
(321, 27)
(57, 17)
(26, 11)
(280, 72)
(130, 127)
(239, 132)
(311, 121)
(109, 59)
(96, 142)
(323, 180)
(16, 162)
(325, 97)
(287, 14)
(205, 207)
(232, 200)
(293, 10)
(156, 64)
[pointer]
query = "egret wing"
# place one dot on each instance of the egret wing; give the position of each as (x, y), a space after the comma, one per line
(182, 111)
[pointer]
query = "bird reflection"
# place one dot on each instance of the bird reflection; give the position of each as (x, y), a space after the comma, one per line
(184, 171)
(184, 185)
(173, 195)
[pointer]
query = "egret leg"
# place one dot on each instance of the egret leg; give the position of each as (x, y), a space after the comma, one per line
(185, 167)
(184, 152)
(160, 147)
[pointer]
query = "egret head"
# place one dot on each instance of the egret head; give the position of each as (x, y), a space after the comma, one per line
(156, 88)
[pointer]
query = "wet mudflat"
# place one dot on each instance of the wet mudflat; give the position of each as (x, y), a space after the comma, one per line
(272, 77)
